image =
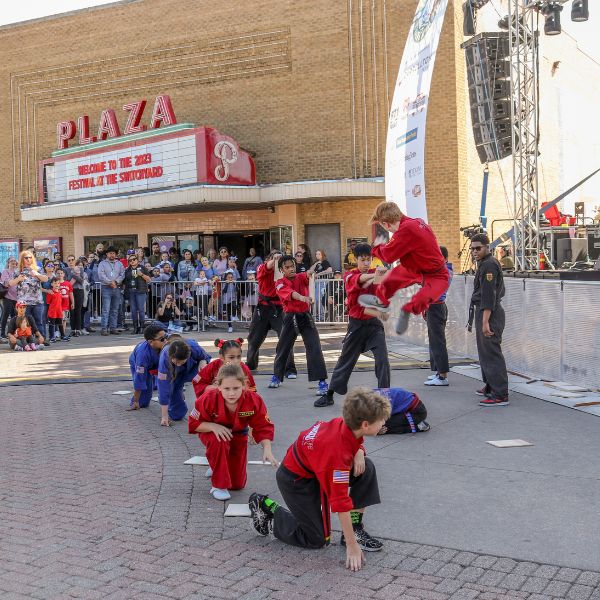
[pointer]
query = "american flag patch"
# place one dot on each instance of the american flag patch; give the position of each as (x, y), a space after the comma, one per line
(341, 477)
(140, 370)
(195, 414)
(162, 376)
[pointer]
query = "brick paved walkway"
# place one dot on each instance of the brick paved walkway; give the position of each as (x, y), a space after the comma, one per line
(96, 503)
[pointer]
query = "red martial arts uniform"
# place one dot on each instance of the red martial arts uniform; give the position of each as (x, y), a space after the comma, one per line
(354, 289)
(285, 287)
(266, 286)
(208, 375)
(326, 452)
(416, 247)
(227, 459)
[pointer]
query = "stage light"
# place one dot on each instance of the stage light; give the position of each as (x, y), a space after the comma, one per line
(580, 11)
(503, 23)
(552, 13)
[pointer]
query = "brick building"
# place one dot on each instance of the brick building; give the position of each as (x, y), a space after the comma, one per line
(304, 88)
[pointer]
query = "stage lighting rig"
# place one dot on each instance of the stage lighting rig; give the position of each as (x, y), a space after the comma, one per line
(551, 12)
(470, 8)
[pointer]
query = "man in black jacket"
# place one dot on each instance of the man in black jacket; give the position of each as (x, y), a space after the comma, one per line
(135, 285)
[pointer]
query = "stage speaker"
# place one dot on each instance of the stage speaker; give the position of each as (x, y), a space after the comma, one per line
(571, 250)
(594, 244)
(488, 72)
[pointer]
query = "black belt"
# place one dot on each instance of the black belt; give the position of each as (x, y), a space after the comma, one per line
(299, 460)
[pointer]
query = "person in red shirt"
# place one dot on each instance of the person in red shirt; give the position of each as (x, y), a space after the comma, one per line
(221, 419)
(68, 300)
(325, 470)
(414, 244)
(230, 353)
(292, 290)
(267, 315)
(54, 300)
(365, 331)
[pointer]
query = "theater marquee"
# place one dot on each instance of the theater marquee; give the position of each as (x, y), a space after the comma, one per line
(145, 160)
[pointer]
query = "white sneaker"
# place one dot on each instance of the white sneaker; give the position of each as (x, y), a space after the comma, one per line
(85, 332)
(230, 330)
(208, 473)
(219, 494)
(234, 318)
(432, 376)
(437, 381)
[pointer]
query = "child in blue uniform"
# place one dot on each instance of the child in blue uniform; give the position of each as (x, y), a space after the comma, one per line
(408, 412)
(179, 362)
(143, 362)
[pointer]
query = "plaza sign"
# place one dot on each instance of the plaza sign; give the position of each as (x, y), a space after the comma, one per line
(108, 126)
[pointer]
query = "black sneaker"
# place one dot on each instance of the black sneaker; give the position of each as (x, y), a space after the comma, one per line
(484, 391)
(324, 400)
(366, 542)
(261, 519)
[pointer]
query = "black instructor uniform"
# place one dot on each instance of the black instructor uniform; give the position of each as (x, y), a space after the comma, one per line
(487, 294)
(267, 315)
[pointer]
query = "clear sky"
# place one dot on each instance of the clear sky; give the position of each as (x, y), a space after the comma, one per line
(13, 12)
(585, 33)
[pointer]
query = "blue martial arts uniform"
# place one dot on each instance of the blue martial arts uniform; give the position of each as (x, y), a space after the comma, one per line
(142, 360)
(171, 379)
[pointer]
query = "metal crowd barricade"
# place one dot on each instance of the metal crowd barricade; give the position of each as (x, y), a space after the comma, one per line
(329, 294)
(218, 303)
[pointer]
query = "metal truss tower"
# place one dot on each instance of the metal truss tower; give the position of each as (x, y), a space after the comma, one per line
(524, 46)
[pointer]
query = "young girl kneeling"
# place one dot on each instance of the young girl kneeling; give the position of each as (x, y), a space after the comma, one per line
(221, 419)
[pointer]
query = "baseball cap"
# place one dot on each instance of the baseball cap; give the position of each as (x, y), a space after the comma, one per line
(20, 305)
(130, 251)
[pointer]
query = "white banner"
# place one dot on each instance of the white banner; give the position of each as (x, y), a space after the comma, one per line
(405, 146)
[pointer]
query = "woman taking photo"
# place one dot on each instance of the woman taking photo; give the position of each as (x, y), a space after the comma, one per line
(29, 287)
(167, 311)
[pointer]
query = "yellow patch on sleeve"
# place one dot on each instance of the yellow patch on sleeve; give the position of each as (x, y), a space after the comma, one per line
(489, 276)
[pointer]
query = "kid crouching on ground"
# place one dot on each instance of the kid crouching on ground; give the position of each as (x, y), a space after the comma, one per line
(221, 419)
(325, 470)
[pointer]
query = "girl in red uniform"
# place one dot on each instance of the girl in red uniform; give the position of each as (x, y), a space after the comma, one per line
(230, 352)
(221, 419)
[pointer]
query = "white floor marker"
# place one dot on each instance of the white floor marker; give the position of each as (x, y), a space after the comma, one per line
(510, 443)
(237, 510)
(258, 462)
(197, 460)
(123, 393)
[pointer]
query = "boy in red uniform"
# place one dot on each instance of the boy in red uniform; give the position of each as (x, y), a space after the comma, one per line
(365, 332)
(292, 290)
(414, 244)
(230, 353)
(267, 315)
(221, 417)
(326, 469)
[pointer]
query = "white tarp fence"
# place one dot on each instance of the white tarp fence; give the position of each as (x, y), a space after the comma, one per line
(552, 327)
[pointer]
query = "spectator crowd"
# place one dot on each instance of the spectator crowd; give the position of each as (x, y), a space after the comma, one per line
(80, 296)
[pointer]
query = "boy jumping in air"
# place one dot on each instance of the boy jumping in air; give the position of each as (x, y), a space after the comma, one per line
(413, 243)
(325, 470)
